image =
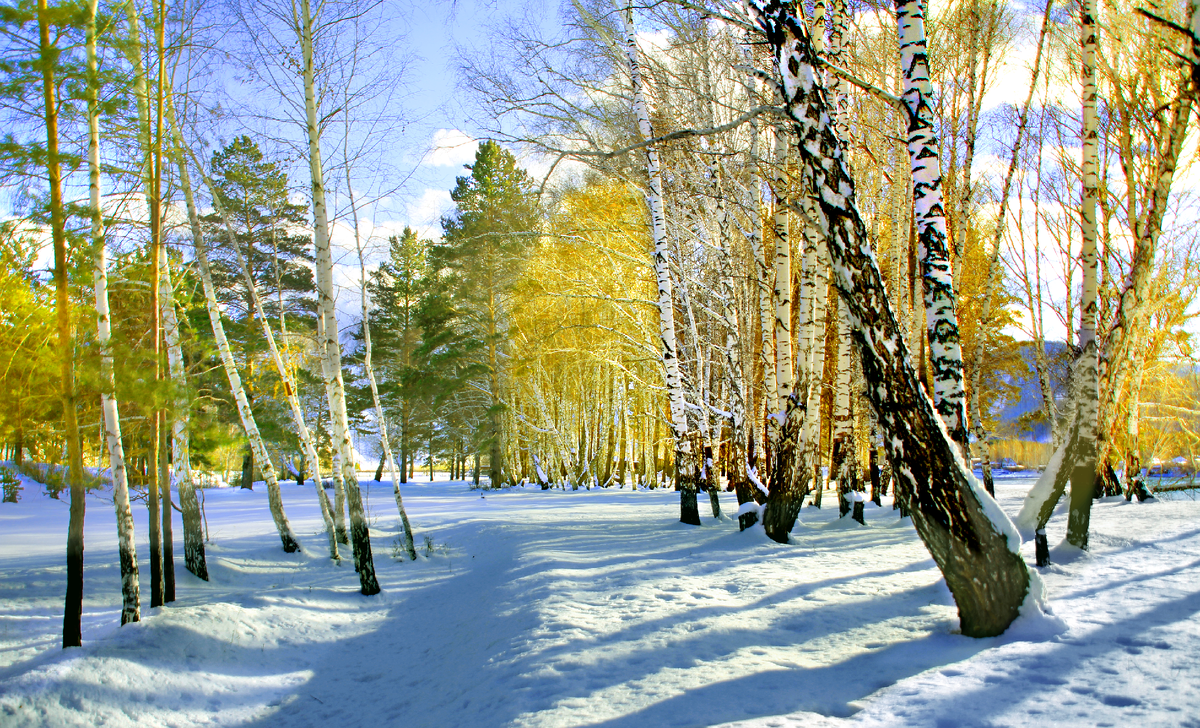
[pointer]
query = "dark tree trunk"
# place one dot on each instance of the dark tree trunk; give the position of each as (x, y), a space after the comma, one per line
(248, 470)
(789, 477)
(688, 482)
(379, 470)
(193, 532)
(977, 556)
(168, 545)
(876, 477)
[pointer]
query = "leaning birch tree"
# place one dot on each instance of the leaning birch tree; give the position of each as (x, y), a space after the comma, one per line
(304, 23)
(973, 543)
(930, 219)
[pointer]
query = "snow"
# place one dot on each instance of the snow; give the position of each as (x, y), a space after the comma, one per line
(558, 608)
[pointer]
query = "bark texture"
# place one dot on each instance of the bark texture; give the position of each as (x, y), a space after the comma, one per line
(973, 543)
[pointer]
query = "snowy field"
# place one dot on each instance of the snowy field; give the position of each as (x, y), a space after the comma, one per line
(594, 608)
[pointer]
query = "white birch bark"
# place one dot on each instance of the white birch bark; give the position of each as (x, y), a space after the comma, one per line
(1081, 461)
(973, 543)
(842, 462)
(193, 533)
(930, 217)
(409, 547)
(684, 455)
(783, 286)
(257, 445)
(126, 546)
(360, 535)
(285, 373)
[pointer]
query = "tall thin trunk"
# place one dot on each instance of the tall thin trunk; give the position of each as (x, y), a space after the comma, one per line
(126, 546)
(973, 543)
(685, 455)
(285, 372)
(164, 306)
(360, 535)
(929, 210)
(133, 52)
(72, 634)
(1083, 460)
(786, 437)
(409, 547)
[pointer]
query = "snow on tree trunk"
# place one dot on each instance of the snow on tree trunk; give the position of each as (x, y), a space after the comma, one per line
(930, 218)
(971, 540)
(285, 373)
(331, 359)
(686, 467)
(126, 546)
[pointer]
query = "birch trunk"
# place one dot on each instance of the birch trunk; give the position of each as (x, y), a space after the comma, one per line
(342, 535)
(843, 460)
(257, 446)
(972, 541)
(126, 546)
(133, 53)
(785, 430)
(1082, 461)
(285, 373)
(360, 535)
(409, 547)
(685, 456)
(930, 218)
(193, 531)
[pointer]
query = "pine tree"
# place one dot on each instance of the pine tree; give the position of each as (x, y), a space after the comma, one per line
(481, 257)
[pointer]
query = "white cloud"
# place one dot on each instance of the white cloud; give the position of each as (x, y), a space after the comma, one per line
(450, 148)
(425, 214)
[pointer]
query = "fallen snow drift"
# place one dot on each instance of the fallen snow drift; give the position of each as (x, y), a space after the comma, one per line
(553, 608)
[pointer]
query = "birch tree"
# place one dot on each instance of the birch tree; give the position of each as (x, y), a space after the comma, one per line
(972, 541)
(126, 547)
(930, 220)
(686, 468)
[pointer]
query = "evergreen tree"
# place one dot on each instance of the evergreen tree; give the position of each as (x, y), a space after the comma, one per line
(465, 315)
(395, 289)
(254, 194)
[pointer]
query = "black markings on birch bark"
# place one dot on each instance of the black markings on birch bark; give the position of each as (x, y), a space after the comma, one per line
(989, 581)
(127, 550)
(930, 219)
(685, 458)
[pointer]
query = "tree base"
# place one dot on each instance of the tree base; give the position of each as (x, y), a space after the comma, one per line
(1041, 548)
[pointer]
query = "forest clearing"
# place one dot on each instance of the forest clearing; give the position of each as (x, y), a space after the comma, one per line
(595, 607)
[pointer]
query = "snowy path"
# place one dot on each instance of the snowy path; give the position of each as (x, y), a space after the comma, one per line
(594, 608)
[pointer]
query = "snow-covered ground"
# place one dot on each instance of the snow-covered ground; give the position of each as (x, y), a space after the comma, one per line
(594, 607)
